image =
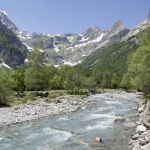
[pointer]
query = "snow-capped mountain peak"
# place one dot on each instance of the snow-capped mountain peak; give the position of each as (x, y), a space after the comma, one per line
(3, 13)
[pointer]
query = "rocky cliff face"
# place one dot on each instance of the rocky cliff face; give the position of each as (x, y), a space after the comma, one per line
(71, 48)
(12, 51)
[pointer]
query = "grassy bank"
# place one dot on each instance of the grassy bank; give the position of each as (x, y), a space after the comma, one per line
(30, 96)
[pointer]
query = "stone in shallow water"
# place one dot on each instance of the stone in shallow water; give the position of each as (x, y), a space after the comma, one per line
(96, 142)
(129, 124)
(119, 120)
(98, 139)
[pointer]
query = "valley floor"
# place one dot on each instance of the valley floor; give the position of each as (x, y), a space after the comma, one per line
(41, 108)
(68, 104)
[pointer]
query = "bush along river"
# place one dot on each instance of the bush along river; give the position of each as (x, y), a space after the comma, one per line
(110, 119)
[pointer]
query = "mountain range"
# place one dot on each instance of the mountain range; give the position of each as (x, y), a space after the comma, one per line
(61, 49)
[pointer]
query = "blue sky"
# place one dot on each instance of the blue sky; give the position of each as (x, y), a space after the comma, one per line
(73, 16)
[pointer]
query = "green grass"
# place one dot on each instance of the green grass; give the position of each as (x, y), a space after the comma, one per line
(29, 96)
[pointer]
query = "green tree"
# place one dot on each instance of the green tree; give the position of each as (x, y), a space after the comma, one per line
(115, 81)
(139, 65)
(63, 71)
(106, 82)
(35, 74)
(17, 79)
(5, 87)
(70, 82)
(56, 83)
(126, 82)
(91, 84)
(96, 73)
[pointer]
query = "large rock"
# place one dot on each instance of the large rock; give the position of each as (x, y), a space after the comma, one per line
(96, 142)
(142, 142)
(98, 139)
(135, 137)
(141, 128)
(146, 147)
(136, 146)
(141, 109)
(120, 120)
(144, 122)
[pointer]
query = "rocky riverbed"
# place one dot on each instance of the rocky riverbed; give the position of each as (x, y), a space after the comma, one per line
(41, 108)
(141, 137)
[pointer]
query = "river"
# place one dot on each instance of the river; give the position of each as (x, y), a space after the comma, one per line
(75, 131)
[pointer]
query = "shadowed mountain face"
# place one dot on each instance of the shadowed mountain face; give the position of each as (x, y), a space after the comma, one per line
(70, 48)
(12, 51)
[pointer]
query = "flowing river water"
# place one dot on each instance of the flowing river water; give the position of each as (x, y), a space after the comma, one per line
(75, 131)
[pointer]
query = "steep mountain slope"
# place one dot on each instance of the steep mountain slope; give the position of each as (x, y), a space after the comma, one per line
(12, 51)
(113, 58)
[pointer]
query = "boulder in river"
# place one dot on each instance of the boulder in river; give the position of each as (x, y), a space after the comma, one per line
(98, 139)
(96, 142)
(119, 120)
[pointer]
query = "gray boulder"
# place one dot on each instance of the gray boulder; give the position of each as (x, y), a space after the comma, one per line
(141, 128)
(145, 122)
(141, 109)
(146, 147)
(119, 120)
(98, 139)
(135, 137)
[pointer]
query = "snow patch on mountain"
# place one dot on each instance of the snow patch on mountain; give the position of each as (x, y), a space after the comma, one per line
(100, 37)
(84, 39)
(70, 63)
(70, 39)
(28, 47)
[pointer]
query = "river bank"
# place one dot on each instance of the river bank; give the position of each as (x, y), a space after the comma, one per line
(41, 108)
(141, 137)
